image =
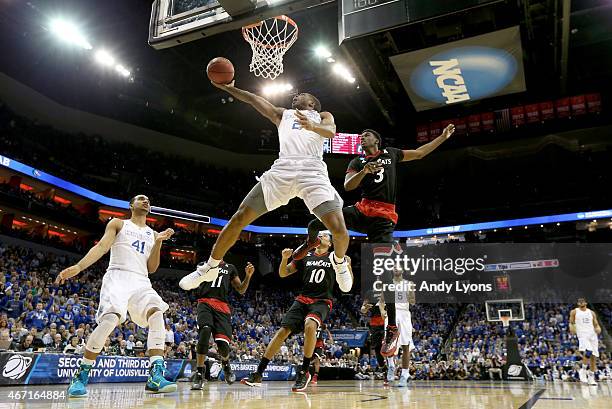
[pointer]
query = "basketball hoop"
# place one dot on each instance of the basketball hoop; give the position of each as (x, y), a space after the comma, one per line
(270, 39)
(505, 321)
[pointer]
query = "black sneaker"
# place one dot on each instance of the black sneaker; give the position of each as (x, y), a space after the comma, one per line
(254, 379)
(197, 381)
(228, 374)
(301, 382)
(304, 248)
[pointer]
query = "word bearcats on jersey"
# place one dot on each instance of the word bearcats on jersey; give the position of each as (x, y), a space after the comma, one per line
(318, 263)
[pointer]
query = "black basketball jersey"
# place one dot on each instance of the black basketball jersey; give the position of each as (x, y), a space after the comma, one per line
(372, 298)
(319, 334)
(380, 186)
(220, 287)
(318, 275)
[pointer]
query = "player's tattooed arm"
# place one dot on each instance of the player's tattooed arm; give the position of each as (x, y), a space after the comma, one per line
(241, 286)
(596, 325)
(153, 261)
(95, 253)
(424, 150)
(262, 105)
(327, 127)
(572, 321)
(285, 270)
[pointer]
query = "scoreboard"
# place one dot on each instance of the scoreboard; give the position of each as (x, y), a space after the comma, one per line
(343, 143)
(363, 17)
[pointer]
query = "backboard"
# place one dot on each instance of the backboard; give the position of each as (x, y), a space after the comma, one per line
(175, 22)
(496, 309)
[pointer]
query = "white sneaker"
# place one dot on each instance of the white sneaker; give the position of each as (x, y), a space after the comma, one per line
(591, 379)
(582, 375)
(343, 275)
(203, 273)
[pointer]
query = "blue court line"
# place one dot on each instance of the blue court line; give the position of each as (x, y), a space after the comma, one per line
(532, 401)
(556, 398)
(461, 228)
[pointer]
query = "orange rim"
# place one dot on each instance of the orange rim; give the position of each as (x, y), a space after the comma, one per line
(245, 31)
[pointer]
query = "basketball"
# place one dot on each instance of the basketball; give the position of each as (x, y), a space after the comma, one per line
(220, 70)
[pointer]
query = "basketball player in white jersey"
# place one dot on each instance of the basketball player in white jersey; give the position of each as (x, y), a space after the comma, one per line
(298, 172)
(403, 298)
(583, 323)
(134, 254)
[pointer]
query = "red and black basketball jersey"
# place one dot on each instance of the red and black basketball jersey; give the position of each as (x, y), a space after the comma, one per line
(317, 274)
(380, 186)
(220, 287)
(376, 318)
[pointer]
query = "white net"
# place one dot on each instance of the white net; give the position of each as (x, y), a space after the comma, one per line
(270, 39)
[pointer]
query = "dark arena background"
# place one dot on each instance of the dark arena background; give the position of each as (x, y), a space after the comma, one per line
(501, 110)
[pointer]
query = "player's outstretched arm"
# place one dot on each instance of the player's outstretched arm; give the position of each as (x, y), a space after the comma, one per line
(327, 127)
(262, 105)
(426, 149)
(153, 261)
(241, 286)
(285, 270)
(572, 321)
(95, 253)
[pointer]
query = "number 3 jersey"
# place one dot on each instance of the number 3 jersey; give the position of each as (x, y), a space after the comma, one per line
(318, 276)
(131, 249)
(378, 190)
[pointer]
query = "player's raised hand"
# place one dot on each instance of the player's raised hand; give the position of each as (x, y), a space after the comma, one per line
(448, 131)
(303, 120)
(164, 235)
(224, 87)
(67, 273)
(372, 167)
(286, 253)
(249, 269)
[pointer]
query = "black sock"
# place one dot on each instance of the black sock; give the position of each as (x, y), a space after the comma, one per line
(201, 370)
(306, 364)
(263, 364)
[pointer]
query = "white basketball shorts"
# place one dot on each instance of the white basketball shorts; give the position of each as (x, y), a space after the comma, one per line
(404, 325)
(125, 292)
(306, 178)
(588, 342)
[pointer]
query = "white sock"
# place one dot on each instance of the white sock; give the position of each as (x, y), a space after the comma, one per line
(338, 260)
(405, 373)
(155, 358)
(90, 362)
(212, 262)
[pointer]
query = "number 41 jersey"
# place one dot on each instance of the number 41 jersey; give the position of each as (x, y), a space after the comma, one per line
(131, 249)
(318, 276)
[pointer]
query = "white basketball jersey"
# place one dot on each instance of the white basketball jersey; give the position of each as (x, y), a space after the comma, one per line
(584, 322)
(132, 248)
(401, 296)
(297, 142)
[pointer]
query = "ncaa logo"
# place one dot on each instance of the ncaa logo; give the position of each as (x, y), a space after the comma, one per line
(463, 74)
(514, 370)
(16, 366)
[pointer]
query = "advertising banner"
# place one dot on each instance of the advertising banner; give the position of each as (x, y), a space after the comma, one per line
(461, 71)
(353, 338)
(31, 369)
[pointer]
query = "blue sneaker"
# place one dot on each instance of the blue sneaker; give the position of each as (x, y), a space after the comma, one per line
(77, 388)
(156, 382)
(403, 382)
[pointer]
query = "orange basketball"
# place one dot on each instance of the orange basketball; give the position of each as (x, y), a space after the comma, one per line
(220, 70)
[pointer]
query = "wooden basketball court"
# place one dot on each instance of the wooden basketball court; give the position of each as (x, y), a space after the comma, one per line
(334, 395)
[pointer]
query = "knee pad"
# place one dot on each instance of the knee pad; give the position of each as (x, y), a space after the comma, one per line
(106, 324)
(588, 353)
(223, 348)
(157, 333)
(204, 337)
